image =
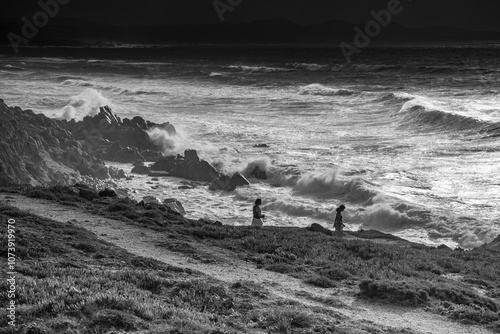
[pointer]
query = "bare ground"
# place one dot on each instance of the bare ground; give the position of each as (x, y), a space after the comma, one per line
(224, 265)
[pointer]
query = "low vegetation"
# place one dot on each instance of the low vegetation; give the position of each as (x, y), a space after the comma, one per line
(91, 284)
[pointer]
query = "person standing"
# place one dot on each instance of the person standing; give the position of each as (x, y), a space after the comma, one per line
(257, 214)
(338, 225)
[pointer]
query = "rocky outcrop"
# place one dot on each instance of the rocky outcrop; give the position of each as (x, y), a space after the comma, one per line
(175, 205)
(37, 150)
(319, 229)
(116, 140)
(140, 168)
(225, 182)
(188, 167)
(494, 245)
(191, 167)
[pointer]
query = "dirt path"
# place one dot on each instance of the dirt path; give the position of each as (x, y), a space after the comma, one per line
(223, 265)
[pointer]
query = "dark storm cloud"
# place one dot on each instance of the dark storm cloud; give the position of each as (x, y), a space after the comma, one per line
(471, 14)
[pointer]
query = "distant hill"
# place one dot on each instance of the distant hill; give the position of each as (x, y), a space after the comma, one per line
(80, 32)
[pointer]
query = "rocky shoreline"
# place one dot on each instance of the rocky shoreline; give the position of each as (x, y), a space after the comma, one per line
(39, 151)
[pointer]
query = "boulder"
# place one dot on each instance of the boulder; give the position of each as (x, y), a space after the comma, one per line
(220, 183)
(151, 200)
(261, 146)
(108, 193)
(259, 174)
(319, 229)
(175, 205)
(142, 170)
(128, 155)
(238, 180)
(151, 155)
(191, 156)
(88, 194)
(494, 245)
(187, 167)
(117, 173)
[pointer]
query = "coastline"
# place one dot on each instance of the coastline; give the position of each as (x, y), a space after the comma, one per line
(379, 284)
(305, 279)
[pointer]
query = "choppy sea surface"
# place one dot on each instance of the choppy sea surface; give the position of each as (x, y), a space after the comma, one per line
(407, 137)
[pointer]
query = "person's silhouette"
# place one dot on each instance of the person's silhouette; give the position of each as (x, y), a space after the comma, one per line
(257, 214)
(338, 225)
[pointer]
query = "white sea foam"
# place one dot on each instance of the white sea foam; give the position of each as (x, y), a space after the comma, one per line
(318, 89)
(85, 104)
(178, 143)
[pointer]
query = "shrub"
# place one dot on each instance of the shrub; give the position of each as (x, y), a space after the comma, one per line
(320, 281)
(119, 207)
(336, 274)
(396, 292)
(281, 268)
(41, 193)
(114, 319)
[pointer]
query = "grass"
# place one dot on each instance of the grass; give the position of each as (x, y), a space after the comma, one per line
(412, 275)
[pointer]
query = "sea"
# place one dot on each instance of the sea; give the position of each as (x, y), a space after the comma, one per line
(406, 136)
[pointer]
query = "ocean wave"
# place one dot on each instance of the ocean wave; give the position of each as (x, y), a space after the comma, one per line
(85, 104)
(309, 67)
(423, 114)
(63, 78)
(332, 184)
(136, 92)
(78, 82)
(14, 67)
(259, 69)
(396, 97)
(318, 89)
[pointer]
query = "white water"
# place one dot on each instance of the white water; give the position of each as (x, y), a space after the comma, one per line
(409, 161)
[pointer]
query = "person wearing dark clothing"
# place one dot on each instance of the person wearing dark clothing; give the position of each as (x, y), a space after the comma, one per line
(338, 225)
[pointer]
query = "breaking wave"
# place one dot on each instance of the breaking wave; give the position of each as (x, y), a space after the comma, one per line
(318, 89)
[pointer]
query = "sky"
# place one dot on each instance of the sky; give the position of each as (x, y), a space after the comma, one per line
(469, 14)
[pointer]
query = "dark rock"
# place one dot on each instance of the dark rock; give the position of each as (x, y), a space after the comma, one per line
(238, 180)
(108, 193)
(138, 163)
(319, 229)
(128, 155)
(494, 245)
(37, 150)
(191, 156)
(142, 170)
(259, 174)
(151, 155)
(190, 168)
(261, 146)
(88, 194)
(175, 205)
(102, 172)
(139, 122)
(117, 173)
(220, 183)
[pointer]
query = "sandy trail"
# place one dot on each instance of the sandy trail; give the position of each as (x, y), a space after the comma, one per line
(223, 265)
